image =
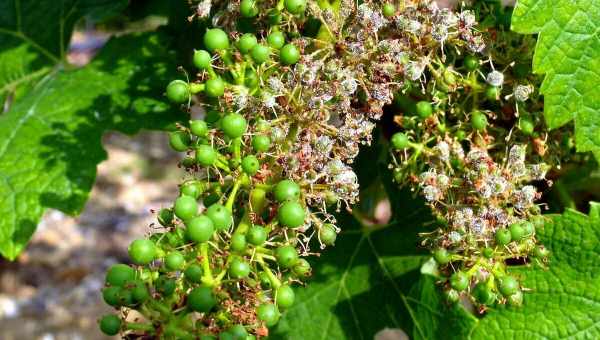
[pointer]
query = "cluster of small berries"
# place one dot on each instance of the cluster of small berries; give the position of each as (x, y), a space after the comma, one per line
(473, 143)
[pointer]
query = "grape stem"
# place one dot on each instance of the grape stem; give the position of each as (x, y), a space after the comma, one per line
(207, 278)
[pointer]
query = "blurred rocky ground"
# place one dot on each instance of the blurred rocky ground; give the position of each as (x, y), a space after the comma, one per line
(53, 290)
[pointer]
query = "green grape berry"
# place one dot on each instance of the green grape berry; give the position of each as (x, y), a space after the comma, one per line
(526, 125)
(239, 269)
(528, 228)
(140, 292)
(110, 295)
(492, 93)
(175, 260)
(238, 332)
(516, 232)
(471, 63)
(247, 42)
(199, 128)
(541, 252)
(503, 237)
(220, 216)
(388, 10)
(110, 324)
(260, 53)
(251, 79)
(327, 234)
(202, 59)
(261, 143)
(276, 40)
(257, 235)
(199, 229)
(274, 17)
(452, 296)
(478, 120)
(284, 297)
(142, 251)
(234, 125)
(165, 217)
(215, 87)
(488, 253)
(238, 242)
(295, 6)
(286, 256)
(192, 188)
(248, 8)
(250, 165)
(400, 141)
(178, 91)
(268, 313)
(302, 268)
(289, 54)
(441, 256)
(119, 274)
(286, 190)
(216, 39)
(186, 207)
(179, 140)
(508, 285)
(201, 299)
(424, 109)
(206, 155)
(291, 214)
(193, 273)
(165, 285)
(483, 294)
(459, 281)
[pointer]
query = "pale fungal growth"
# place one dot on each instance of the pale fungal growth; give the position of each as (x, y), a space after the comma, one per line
(495, 78)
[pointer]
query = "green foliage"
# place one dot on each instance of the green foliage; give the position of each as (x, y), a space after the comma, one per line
(568, 53)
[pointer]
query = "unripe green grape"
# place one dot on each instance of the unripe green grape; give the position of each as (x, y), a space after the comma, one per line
(179, 140)
(110, 324)
(220, 216)
(165, 217)
(238, 332)
(268, 313)
(526, 125)
(286, 256)
(492, 93)
(199, 128)
(251, 79)
(110, 295)
(483, 294)
(260, 53)
(331, 198)
(250, 165)
(199, 229)
(388, 10)
(248, 8)
(215, 87)
(247, 42)
(165, 285)
(452, 296)
(478, 120)
(234, 125)
(257, 235)
(175, 261)
(192, 188)
(216, 39)
(202, 59)
(178, 91)
(125, 297)
(488, 253)
(186, 207)
(119, 274)
(528, 228)
(289, 54)
(516, 231)
(206, 155)
(239, 269)
(193, 273)
(503, 237)
(291, 214)
(265, 282)
(201, 299)
(327, 234)
(424, 109)
(274, 17)
(286, 190)
(508, 285)
(188, 161)
(471, 63)
(142, 251)
(284, 297)
(295, 6)
(302, 268)
(261, 143)
(238, 242)
(441, 256)
(140, 292)
(276, 40)
(459, 281)
(400, 141)
(541, 252)
(226, 336)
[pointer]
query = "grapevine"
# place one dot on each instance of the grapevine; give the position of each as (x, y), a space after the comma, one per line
(287, 102)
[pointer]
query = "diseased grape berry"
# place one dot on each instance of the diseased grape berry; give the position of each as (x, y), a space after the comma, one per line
(302, 268)
(327, 234)
(483, 294)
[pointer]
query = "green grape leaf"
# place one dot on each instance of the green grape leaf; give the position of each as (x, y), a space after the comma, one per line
(568, 53)
(34, 36)
(51, 141)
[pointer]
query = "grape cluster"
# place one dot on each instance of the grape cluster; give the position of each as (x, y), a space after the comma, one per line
(290, 90)
(473, 142)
